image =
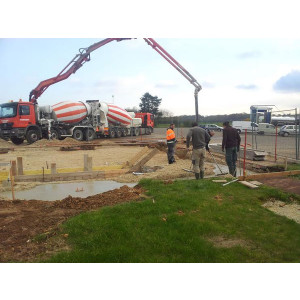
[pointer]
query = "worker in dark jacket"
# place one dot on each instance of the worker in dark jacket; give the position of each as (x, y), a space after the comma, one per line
(171, 141)
(231, 144)
(200, 139)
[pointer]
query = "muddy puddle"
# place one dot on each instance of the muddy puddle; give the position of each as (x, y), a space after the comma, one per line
(59, 191)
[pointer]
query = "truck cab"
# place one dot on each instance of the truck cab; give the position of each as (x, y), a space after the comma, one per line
(147, 120)
(18, 122)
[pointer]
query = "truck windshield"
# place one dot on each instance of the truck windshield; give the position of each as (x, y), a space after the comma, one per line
(8, 110)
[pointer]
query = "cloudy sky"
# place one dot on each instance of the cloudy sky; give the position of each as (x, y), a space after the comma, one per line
(234, 73)
(242, 52)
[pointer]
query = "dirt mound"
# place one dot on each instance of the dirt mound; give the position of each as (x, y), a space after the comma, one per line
(45, 142)
(69, 141)
(21, 221)
(124, 194)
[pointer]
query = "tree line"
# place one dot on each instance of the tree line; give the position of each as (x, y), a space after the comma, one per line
(151, 104)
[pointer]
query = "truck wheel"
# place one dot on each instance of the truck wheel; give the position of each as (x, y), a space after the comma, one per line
(32, 136)
(124, 132)
(17, 141)
(112, 133)
(118, 132)
(55, 134)
(136, 131)
(78, 134)
(148, 130)
(286, 134)
(89, 134)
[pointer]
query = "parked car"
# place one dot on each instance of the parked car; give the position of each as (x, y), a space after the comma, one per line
(287, 130)
(266, 128)
(213, 127)
(242, 125)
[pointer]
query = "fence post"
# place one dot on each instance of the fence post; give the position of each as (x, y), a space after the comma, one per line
(276, 135)
(245, 147)
(296, 135)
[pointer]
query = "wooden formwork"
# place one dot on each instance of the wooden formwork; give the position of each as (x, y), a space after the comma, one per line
(70, 176)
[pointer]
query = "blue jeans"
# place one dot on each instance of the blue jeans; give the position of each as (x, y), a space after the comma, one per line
(231, 158)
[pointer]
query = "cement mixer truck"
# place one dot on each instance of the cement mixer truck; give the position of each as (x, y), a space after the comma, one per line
(87, 120)
(81, 120)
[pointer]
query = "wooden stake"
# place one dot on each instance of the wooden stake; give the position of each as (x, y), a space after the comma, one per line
(85, 162)
(14, 167)
(12, 184)
(89, 163)
(20, 165)
(53, 168)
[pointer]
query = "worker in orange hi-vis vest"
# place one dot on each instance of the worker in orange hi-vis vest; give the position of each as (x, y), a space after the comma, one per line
(171, 141)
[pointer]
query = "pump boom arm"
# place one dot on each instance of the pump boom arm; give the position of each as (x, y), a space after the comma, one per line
(84, 56)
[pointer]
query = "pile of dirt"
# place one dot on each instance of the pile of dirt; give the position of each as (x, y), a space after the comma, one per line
(69, 141)
(21, 221)
(45, 142)
(123, 194)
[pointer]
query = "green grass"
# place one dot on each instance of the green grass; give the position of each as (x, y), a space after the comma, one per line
(154, 230)
(294, 167)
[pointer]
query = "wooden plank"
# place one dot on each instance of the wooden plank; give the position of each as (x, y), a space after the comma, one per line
(270, 175)
(138, 156)
(220, 180)
(256, 182)
(70, 176)
(137, 167)
(248, 184)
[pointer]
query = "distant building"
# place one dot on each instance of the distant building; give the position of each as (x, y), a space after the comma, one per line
(261, 113)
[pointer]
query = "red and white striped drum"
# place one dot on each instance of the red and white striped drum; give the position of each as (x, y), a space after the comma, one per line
(117, 115)
(70, 112)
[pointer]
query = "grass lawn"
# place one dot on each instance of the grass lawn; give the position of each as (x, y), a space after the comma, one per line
(186, 221)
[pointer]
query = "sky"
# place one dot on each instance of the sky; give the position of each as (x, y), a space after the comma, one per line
(234, 73)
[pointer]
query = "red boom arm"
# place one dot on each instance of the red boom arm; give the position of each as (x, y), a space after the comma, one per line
(84, 56)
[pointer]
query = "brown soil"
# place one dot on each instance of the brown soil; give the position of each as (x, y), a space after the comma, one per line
(223, 242)
(5, 144)
(289, 185)
(21, 221)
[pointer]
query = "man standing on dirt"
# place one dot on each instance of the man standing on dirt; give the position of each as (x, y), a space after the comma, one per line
(200, 140)
(231, 144)
(171, 141)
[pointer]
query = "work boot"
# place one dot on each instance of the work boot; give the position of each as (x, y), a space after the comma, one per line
(201, 174)
(197, 175)
(234, 173)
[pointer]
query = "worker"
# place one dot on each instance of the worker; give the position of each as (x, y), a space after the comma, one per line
(231, 144)
(171, 141)
(200, 139)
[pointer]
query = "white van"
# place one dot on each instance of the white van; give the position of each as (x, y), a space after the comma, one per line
(266, 128)
(242, 125)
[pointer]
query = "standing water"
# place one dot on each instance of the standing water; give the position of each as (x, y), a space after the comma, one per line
(59, 191)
